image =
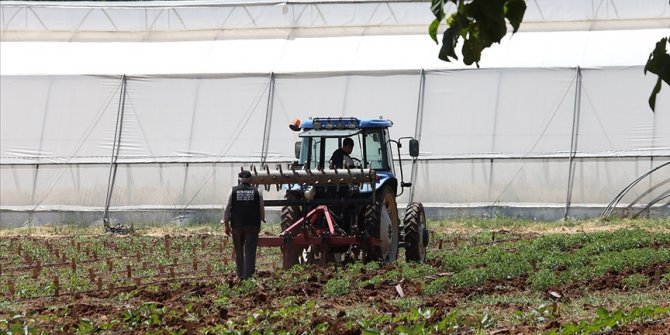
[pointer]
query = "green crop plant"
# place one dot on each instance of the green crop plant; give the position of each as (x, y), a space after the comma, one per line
(666, 278)
(558, 242)
(509, 265)
(459, 259)
(417, 270)
(635, 281)
(374, 281)
(471, 277)
(617, 261)
(539, 315)
(544, 279)
(619, 240)
(372, 266)
(579, 274)
(436, 286)
(607, 321)
(475, 268)
(406, 302)
(337, 287)
(18, 323)
(556, 260)
(393, 275)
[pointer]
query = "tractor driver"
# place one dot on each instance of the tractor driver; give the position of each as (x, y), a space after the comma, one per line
(340, 158)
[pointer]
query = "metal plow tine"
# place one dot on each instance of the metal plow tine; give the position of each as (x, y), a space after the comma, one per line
(325, 177)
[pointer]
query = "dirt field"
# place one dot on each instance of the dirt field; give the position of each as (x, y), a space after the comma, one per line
(479, 280)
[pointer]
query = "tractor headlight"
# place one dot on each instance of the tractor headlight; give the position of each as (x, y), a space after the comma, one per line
(310, 192)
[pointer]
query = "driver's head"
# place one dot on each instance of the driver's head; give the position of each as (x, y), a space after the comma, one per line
(348, 145)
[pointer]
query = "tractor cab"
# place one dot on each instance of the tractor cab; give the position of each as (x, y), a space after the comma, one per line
(323, 137)
(373, 147)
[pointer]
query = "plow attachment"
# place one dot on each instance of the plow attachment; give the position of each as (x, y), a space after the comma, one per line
(304, 232)
(312, 177)
(311, 231)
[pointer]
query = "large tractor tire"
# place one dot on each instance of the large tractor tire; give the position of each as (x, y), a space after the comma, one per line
(381, 222)
(416, 234)
(290, 254)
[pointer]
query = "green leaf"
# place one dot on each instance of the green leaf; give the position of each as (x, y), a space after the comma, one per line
(659, 64)
(449, 42)
(489, 20)
(472, 51)
(659, 61)
(602, 313)
(479, 22)
(437, 7)
(514, 11)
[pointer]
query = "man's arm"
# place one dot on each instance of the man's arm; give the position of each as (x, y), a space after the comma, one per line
(227, 211)
(262, 205)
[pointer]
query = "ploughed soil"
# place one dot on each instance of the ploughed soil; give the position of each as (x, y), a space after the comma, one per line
(104, 306)
(65, 313)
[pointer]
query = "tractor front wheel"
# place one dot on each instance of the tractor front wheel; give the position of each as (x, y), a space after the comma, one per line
(416, 234)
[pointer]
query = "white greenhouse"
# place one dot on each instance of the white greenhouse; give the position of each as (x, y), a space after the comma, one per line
(151, 108)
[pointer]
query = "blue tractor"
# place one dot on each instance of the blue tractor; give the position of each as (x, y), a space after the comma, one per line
(345, 212)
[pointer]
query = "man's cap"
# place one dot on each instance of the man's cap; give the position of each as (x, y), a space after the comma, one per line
(244, 174)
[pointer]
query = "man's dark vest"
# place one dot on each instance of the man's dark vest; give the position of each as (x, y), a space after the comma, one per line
(245, 206)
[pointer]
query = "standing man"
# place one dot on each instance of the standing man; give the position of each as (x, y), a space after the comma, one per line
(242, 218)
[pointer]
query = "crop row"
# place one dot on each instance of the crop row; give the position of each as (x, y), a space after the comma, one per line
(554, 260)
(544, 262)
(36, 268)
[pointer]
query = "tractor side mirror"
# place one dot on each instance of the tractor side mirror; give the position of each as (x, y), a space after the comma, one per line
(414, 148)
(297, 149)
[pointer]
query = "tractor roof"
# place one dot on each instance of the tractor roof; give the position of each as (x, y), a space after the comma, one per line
(335, 123)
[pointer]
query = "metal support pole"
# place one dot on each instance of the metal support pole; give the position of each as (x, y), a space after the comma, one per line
(39, 151)
(418, 126)
(190, 141)
(493, 144)
(573, 139)
(268, 120)
(116, 148)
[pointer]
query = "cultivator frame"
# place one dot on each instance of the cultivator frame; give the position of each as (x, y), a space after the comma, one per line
(308, 230)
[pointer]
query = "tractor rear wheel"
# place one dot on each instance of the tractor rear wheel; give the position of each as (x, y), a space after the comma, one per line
(290, 254)
(381, 222)
(416, 234)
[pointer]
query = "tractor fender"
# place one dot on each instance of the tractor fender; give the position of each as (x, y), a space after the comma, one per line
(384, 179)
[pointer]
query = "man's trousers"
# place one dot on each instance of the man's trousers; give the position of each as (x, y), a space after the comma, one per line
(245, 242)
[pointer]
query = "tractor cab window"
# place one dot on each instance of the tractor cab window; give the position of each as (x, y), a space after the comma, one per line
(376, 149)
(371, 150)
(322, 148)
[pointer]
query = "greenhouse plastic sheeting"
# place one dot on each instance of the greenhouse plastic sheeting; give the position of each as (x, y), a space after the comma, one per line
(183, 137)
(180, 95)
